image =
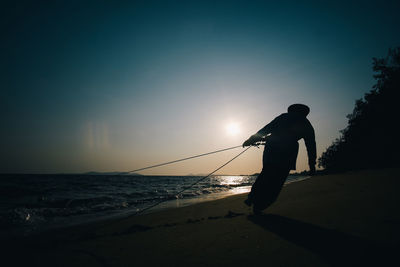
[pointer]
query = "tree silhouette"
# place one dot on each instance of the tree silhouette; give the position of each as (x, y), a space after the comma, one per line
(371, 139)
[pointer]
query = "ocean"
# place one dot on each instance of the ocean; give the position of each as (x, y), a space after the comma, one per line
(30, 203)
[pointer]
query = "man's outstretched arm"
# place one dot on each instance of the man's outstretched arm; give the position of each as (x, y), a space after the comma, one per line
(253, 139)
(261, 133)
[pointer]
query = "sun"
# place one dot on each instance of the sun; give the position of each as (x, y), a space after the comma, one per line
(232, 128)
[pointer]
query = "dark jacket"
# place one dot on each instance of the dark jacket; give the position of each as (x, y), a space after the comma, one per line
(282, 134)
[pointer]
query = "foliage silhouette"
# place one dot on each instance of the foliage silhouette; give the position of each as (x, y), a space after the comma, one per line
(371, 139)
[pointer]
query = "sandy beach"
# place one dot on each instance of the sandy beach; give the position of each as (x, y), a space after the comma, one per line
(348, 219)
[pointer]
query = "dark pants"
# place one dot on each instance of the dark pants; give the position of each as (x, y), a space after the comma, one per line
(267, 186)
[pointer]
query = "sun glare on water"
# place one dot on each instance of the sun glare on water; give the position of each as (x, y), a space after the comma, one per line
(233, 129)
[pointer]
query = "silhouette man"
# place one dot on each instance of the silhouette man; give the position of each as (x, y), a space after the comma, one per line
(280, 154)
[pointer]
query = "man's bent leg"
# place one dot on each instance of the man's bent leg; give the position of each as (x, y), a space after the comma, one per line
(269, 187)
(254, 188)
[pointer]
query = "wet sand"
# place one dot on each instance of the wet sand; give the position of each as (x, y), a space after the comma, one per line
(348, 219)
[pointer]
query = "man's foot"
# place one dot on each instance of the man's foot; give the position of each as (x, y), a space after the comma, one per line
(256, 211)
(248, 202)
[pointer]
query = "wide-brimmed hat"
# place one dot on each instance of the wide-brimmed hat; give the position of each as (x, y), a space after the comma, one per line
(299, 108)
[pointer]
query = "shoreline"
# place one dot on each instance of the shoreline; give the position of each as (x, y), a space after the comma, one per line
(179, 203)
(348, 219)
(66, 222)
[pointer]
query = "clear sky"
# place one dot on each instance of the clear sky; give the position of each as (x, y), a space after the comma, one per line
(119, 85)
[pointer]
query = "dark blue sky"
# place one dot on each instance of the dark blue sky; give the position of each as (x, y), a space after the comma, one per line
(104, 85)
